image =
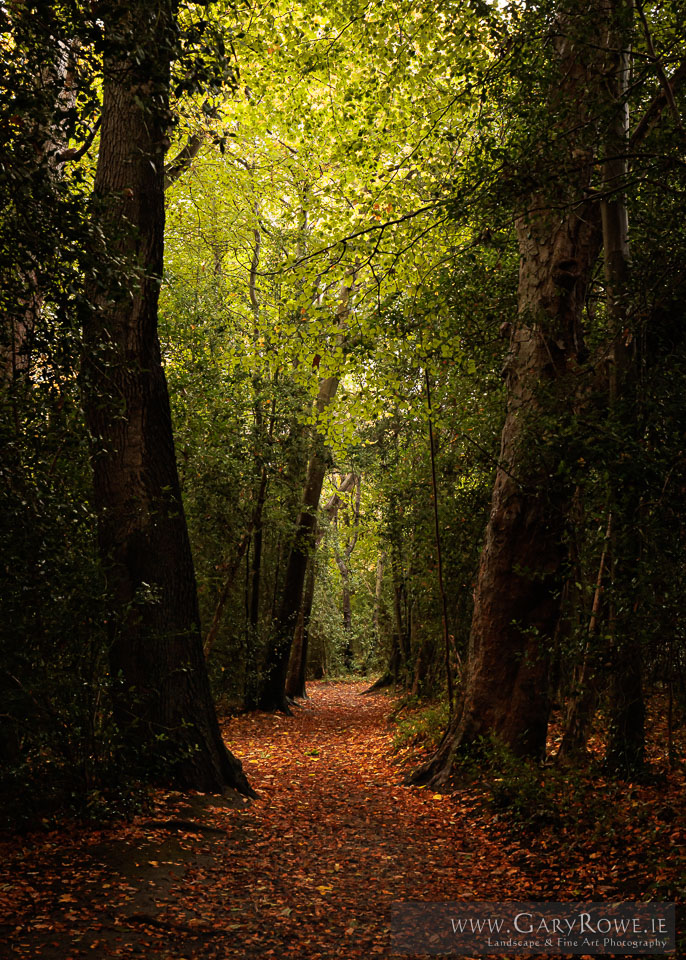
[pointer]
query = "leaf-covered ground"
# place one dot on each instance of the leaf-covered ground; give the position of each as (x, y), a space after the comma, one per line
(309, 870)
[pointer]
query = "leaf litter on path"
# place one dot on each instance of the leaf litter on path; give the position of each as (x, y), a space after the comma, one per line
(309, 870)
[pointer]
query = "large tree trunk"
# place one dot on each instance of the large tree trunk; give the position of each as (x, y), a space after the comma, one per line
(519, 583)
(161, 692)
(517, 600)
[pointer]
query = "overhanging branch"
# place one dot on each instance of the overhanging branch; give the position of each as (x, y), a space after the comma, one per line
(183, 160)
(652, 115)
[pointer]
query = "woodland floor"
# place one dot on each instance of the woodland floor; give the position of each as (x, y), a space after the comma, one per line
(312, 867)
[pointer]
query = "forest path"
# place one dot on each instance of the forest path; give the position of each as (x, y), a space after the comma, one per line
(309, 870)
(335, 837)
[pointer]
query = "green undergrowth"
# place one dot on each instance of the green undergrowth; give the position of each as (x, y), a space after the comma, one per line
(419, 727)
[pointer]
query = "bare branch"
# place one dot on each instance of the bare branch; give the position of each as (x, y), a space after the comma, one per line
(64, 156)
(183, 159)
(347, 483)
(666, 86)
(652, 115)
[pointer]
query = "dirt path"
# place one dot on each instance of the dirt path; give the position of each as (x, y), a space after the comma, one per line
(310, 870)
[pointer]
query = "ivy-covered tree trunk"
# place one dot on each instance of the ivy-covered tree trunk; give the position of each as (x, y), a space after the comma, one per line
(52, 94)
(162, 698)
(517, 598)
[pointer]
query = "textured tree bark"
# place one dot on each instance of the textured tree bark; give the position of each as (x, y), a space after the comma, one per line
(161, 691)
(517, 599)
(518, 588)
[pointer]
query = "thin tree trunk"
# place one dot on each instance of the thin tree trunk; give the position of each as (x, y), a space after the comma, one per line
(296, 658)
(162, 700)
(273, 693)
(398, 616)
(584, 701)
(297, 668)
(439, 555)
(277, 575)
(626, 741)
(232, 570)
(378, 594)
(400, 650)
(257, 554)
(254, 607)
(423, 655)
(343, 564)
(308, 602)
(273, 682)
